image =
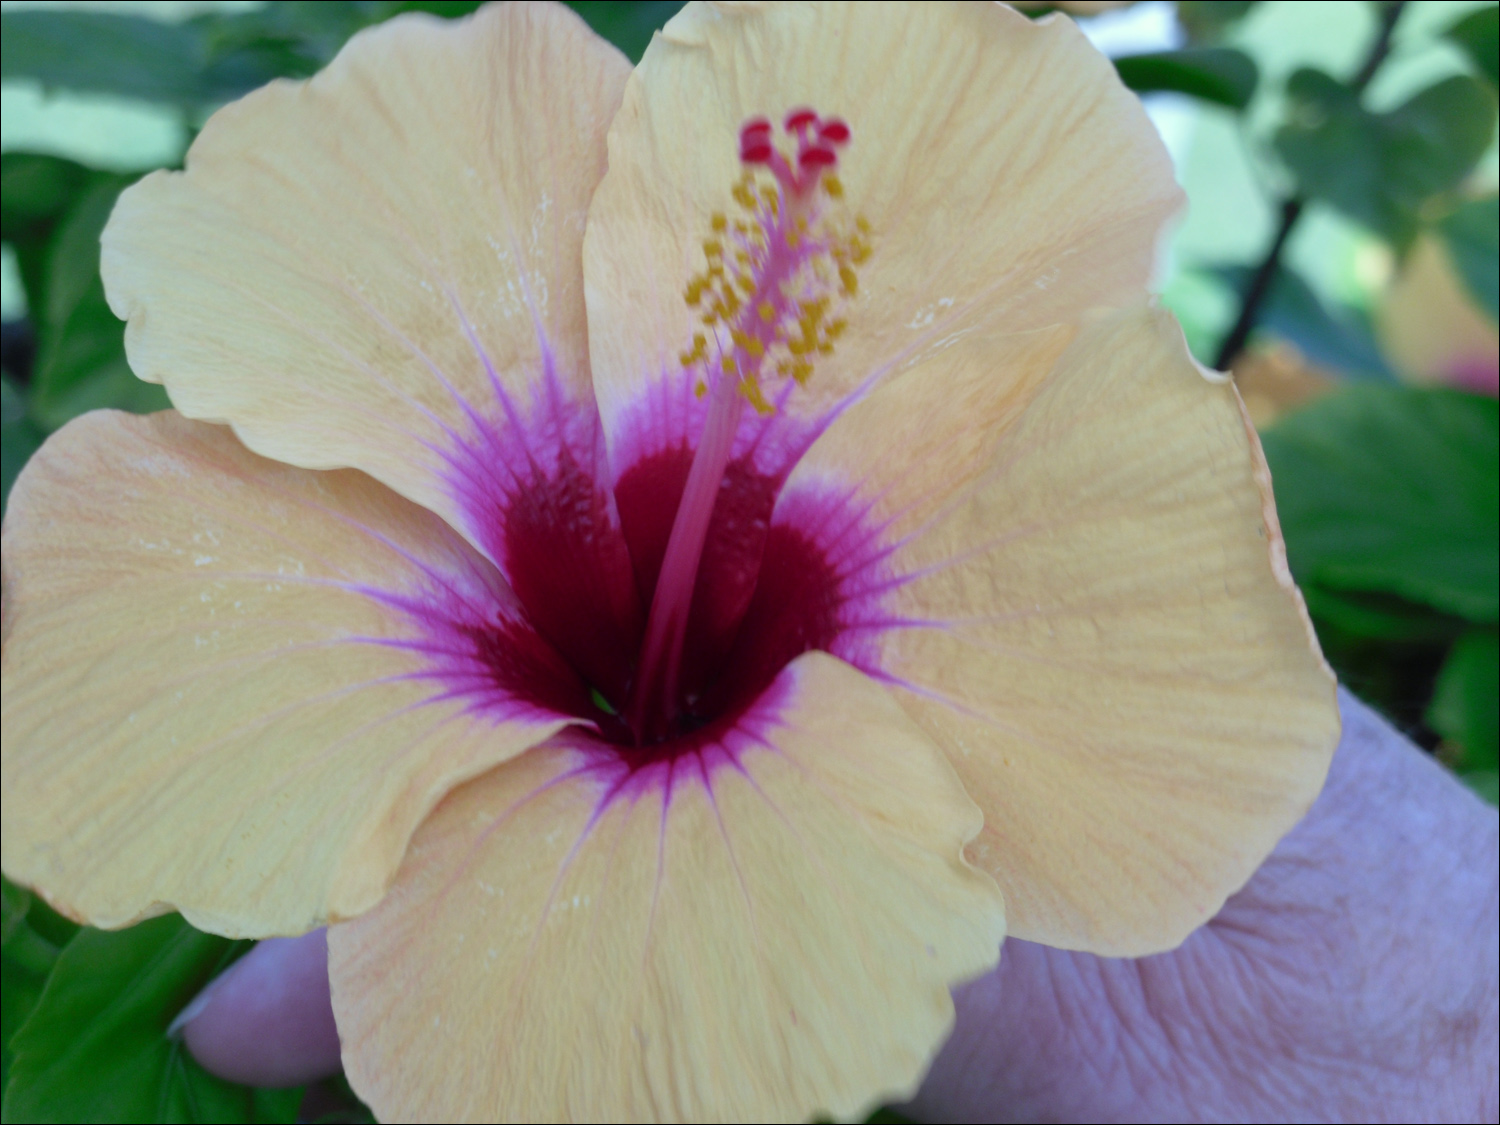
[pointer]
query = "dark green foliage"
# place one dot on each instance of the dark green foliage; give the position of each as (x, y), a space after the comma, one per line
(1394, 491)
(1388, 500)
(54, 213)
(19, 436)
(1206, 20)
(1478, 33)
(1340, 340)
(80, 363)
(629, 26)
(1380, 168)
(36, 192)
(1466, 707)
(31, 938)
(1215, 74)
(1472, 235)
(94, 1046)
(108, 53)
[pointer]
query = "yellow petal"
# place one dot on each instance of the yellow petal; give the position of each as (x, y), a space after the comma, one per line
(773, 940)
(1431, 327)
(203, 708)
(343, 257)
(1009, 180)
(1100, 626)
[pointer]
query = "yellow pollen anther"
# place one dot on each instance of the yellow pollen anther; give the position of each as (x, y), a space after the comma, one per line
(751, 390)
(798, 369)
(779, 265)
(748, 342)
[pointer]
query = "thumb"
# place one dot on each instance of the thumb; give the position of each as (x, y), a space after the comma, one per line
(267, 1020)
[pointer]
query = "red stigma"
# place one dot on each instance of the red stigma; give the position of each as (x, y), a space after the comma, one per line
(834, 132)
(799, 119)
(817, 140)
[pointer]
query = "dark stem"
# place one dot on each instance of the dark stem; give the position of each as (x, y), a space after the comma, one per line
(1291, 209)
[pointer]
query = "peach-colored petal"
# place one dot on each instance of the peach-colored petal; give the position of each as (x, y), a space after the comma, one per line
(1431, 327)
(1093, 616)
(351, 264)
(209, 702)
(764, 932)
(1009, 179)
(1072, 7)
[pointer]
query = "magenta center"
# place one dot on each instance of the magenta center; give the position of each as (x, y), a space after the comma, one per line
(665, 602)
(761, 596)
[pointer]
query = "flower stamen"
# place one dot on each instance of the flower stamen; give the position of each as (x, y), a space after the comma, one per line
(771, 277)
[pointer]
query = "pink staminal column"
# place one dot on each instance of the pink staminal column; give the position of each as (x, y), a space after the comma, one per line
(771, 257)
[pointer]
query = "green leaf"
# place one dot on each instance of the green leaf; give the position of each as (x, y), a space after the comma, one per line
(1207, 20)
(447, 9)
(629, 26)
(36, 192)
(20, 437)
(1214, 74)
(14, 902)
(80, 343)
(26, 958)
(95, 1047)
(1472, 234)
(292, 39)
(1379, 168)
(1485, 783)
(1478, 33)
(1466, 707)
(1341, 340)
(49, 924)
(127, 56)
(333, 1102)
(1380, 617)
(37, 189)
(1393, 490)
(103, 52)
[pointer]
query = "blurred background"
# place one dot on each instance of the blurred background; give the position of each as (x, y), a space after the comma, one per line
(1339, 255)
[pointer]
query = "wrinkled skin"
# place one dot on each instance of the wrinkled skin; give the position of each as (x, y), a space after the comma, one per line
(1354, 978)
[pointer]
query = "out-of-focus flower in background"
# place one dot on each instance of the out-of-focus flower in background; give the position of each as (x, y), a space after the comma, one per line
(1432, 321)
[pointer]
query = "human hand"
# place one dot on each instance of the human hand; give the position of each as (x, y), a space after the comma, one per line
(1355, 977)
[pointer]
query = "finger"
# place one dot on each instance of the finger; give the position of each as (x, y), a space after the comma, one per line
(1353, 975)
(267, 1020)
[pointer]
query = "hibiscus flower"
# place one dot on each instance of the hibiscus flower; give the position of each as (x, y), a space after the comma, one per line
(673, 564)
